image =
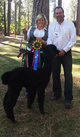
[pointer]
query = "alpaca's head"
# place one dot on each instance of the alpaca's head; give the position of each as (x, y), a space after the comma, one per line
(49, 51)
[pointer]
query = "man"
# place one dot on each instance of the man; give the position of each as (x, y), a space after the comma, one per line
(63, 35)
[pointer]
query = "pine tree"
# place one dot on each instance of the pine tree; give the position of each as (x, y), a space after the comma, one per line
(40, 6)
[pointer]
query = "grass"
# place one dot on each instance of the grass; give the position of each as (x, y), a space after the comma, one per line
(58, 121)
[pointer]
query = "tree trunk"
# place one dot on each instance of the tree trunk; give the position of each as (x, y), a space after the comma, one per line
(78, 19)
(4, 18)
(28, 15)
(59, 2)
(19, 17)
(15, 18)
(9, 16)
(40, 7)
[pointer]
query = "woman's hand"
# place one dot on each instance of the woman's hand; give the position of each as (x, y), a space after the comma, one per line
(24, 31)
(38, 38)
(42, 41)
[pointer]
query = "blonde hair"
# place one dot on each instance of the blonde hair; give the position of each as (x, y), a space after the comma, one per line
(39, 17)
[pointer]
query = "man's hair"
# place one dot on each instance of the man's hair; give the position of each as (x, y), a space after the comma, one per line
(58, 7)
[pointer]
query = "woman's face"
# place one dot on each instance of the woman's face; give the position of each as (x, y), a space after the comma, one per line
(41, 22)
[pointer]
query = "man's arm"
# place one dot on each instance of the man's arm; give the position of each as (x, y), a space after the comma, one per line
(72, 40)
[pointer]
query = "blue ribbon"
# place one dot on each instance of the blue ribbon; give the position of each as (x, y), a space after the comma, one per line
(36, 60)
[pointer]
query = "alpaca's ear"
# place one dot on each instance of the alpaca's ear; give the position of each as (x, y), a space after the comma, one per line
(51, 49)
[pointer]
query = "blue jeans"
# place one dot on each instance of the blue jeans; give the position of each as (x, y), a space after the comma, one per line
(66, 62)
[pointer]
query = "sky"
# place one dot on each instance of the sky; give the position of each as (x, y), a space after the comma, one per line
(66, 2)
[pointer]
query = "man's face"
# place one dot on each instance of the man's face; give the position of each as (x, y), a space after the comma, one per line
(59, 15)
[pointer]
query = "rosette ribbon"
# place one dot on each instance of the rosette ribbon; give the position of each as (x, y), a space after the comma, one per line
(37, 57)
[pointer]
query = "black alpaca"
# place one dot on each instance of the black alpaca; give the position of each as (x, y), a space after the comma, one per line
(35, 81)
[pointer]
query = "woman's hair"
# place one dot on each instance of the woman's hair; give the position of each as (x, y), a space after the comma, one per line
(39, 17)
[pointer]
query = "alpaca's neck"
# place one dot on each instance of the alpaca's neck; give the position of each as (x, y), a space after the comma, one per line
(47, 65)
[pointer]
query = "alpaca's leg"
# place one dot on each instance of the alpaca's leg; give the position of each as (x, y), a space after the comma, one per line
(41, 100)
(7, 107)
(31, 97)
(10, 101)
(5, 98)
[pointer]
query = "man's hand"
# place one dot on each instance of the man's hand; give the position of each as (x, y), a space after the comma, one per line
(61, 53)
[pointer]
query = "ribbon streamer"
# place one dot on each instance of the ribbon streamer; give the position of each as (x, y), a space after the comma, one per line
(39, 59)
(23, 61)
(36, 60)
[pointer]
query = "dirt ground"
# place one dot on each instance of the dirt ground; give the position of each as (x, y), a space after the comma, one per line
(6, 39)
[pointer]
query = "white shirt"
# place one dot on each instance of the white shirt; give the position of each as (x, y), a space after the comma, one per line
(37, 33)
(63, 35)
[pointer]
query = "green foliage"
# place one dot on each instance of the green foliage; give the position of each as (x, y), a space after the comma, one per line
(25, 14)
(1, 13)
(12, 27)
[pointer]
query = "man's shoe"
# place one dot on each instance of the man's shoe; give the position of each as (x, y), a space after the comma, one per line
(55, 98)
(67, 104)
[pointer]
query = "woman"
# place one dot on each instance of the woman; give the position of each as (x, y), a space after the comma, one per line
(37, 32)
